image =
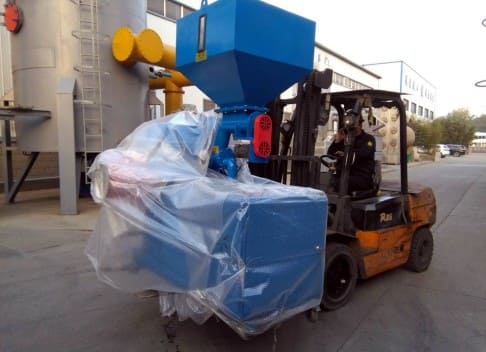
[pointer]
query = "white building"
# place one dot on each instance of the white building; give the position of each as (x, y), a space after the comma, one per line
(347, 74)
(479, 142)
(400, 77)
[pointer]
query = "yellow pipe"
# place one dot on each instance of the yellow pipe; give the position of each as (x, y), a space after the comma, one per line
(148, 47)
(154, 50)
(172, 89)
(177, 78)
(173, 97)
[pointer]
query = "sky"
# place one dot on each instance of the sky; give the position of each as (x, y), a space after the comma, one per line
(444, 41)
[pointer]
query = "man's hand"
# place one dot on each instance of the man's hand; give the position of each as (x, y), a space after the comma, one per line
(339, 153)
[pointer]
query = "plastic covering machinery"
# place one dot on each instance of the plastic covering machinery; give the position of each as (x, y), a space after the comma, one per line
(246, 249)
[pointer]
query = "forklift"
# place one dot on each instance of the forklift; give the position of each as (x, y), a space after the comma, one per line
(368, 232)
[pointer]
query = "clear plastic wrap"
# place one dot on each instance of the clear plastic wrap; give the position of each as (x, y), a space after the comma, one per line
(173, 149)
(248, 250)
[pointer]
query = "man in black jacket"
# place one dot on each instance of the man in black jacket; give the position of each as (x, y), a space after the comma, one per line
(363, 156)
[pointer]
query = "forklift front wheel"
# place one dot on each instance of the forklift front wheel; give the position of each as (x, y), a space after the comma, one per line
(340, 277)
(421, 250)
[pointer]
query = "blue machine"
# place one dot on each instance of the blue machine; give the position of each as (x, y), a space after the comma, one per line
(278, 237)
(250, 251)
(254, 251)
(242, 54)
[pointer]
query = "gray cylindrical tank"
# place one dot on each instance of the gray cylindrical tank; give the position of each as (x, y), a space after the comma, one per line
(72, 38)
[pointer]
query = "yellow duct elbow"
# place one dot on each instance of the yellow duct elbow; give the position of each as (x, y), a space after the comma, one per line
(177, 78)
(147, 47)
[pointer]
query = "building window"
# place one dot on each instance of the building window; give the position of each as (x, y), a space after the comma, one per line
(186, 10)
(346, 82)
(168, 8)
(338, 79)
(156, 6)
(426, 113)
(173, 10)
(407, 104)
(413, 110)
(420, 111)
(431, 114)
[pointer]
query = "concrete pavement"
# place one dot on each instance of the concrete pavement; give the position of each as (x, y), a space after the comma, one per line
(51, 300)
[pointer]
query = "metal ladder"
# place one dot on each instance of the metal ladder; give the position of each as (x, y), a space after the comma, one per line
(90, 98)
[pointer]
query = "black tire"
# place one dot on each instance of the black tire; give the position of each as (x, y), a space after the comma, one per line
(340, 277)
(421, 250)
(457, 154)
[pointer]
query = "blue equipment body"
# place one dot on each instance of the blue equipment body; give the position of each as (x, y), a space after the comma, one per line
(277, 253)
(242, 54)
(268, 261)
(251, 251)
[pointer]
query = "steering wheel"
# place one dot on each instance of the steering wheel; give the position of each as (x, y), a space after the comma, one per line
(326, 163)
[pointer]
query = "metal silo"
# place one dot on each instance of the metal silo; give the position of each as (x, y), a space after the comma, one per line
(71, 96)
(72, 39)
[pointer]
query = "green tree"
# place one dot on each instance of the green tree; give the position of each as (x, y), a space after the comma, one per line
(427, 133)
(480, 123)
(436, 132)
(458, 127)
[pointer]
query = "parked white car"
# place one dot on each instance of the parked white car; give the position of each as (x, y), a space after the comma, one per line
(444, 150)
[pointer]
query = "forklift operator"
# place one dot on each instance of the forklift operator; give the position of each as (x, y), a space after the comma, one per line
(363, 156)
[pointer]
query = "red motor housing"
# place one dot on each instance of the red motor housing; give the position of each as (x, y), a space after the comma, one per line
(262, 136)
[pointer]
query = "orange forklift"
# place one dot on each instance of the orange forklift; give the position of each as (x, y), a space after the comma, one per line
(369, 231)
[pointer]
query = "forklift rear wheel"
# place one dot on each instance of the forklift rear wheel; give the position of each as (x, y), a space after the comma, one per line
(421, 250)
(341, 276)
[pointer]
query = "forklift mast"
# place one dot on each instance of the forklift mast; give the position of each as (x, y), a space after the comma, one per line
(295, 140)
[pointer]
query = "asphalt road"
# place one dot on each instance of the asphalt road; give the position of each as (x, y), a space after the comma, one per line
(50, 299)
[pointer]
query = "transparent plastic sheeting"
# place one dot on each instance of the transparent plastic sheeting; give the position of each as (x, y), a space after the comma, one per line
(248, 250)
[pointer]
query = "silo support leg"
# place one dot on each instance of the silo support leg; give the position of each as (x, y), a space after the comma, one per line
(7, 159)
(14, 189)
(68, 173)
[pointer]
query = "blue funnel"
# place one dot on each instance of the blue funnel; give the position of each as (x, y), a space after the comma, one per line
(244, 52)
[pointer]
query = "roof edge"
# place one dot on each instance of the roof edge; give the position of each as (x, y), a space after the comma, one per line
(360, 67)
